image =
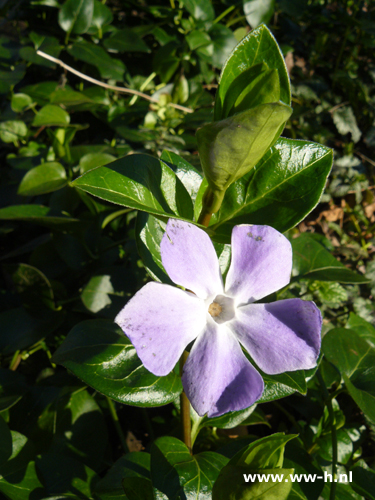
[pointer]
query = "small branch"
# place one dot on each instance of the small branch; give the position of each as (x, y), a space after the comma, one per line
(328, 402)
(116, 421)
(106, 85)
(185, 409)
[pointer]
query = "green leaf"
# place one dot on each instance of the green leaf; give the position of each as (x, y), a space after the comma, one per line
(102, 344)
(280, 191)
(108, 290)
(197, 38)
(346, 122)
(18, 476)
(51, 116)
(355, 359)
(279, 386)
(39, 215)
(230, 148)
(364, 480)
(259, 46)
(231, 484)
(68, 97)
(223, 42)
(229, 420)
(190, 177)
(12, 388)
(311, 260)
(9, 79)
(46, 178)
(93, 160)
(362, 327)
(5, 441)
(141, 182)
(12, 131)
(258, 11)
(94, 54)
(102, 15)
(125, 40)
(20, 102)
(265, 453)
(178, 474)
(76, 16)
(132, 465)
(264, 87)
(201, 10)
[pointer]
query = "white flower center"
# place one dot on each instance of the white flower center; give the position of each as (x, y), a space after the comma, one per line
(222, 309)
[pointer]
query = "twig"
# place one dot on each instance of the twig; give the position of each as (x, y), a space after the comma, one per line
(364, 157)
(106, 85)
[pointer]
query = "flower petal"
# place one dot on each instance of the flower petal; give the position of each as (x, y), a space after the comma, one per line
(190, 260)
(261, 263)
(281, 336)
(161, 321)
(217, 377)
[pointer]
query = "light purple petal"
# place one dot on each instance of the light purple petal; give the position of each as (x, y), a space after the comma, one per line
(217, 377)
(161, 321)
(281, 336)
(190, 260)
(261, 263)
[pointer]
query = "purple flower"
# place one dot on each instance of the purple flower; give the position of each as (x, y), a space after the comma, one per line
(162, 320)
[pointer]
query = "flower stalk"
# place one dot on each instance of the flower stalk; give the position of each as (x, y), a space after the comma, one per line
(185, 409)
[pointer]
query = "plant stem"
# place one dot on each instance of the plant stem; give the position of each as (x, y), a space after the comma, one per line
(328, 403)
(15, 361)
(185, 409)
(116, 421)
(204, 218)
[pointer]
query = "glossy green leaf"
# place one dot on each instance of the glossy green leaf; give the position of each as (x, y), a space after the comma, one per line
(279, 386)
(94, 54)
(178, 474)
(46, 178)
(141, 182)
(201, 10)
(132, 465)
(102, 344)
(190, 177)
(12, 388)
(265, 453)
(355, 359)
(12, 131)
(197, 38)
(230, 148)
(228, 420)
(280, 191)
(76, 16)
(93, 160)
(231, 484)
(264, 87)
(362, 327)
(38, 215)
(257, 47)
(125, 40)
(311, 260)
(258, 11)
(51, 116)
(5, 441)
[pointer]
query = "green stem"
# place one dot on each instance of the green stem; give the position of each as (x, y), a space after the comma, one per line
(116, 421)
(185, 409)
(328, 403)
(223, 14)
(195, 430)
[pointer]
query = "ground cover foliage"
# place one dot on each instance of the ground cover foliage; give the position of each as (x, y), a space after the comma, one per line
(80, 416)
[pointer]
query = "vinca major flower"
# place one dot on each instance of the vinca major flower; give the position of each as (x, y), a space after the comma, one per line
(222, 320)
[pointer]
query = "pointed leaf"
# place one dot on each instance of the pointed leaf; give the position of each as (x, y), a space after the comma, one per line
(102, 344)
(43, 179)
